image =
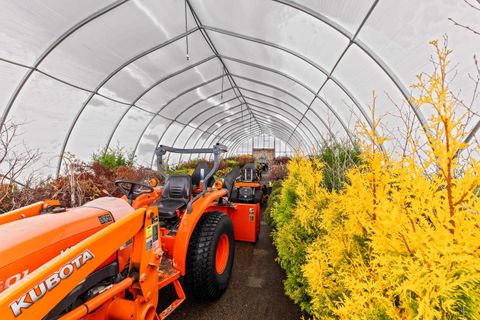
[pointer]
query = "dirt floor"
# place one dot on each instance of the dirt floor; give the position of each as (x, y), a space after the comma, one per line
(255, 290)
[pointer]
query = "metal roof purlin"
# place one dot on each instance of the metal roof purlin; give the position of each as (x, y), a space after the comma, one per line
(299, 56)
(50, 48)
(104, 81)
(233, 121)
(349, 133)
(385, 68)
(351, 41)
(212, 46)
(194, 116)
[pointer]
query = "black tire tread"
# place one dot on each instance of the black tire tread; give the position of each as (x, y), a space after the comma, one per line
(199, 278)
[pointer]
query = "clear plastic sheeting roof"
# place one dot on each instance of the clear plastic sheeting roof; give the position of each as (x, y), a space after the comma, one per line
(80, 76)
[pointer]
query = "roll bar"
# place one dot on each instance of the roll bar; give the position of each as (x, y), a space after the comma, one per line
(217, 150)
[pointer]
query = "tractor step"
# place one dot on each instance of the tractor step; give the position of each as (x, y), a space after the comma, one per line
(167, 274)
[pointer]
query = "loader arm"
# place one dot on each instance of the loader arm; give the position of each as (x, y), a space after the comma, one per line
(28, 211)
(35, 295)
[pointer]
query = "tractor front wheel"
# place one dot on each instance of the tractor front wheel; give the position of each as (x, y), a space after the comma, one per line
(210, 256)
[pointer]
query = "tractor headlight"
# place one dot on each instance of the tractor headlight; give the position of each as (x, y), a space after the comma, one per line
(218, 184)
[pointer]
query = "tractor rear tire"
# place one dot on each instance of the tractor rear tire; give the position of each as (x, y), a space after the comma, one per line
(210, 256)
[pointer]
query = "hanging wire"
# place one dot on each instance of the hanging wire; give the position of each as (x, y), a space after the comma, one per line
(241, 111)
(251, 115)
(223, 76)
(186, 31)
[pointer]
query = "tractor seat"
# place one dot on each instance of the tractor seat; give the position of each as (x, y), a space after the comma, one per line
(176, 195)
(199, 174)
(248, 172)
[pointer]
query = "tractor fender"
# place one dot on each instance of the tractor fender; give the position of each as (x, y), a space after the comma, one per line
(188, 224)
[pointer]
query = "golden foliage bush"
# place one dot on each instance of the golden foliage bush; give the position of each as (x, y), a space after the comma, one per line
(398, 243)
(295, 217)
(400, 240)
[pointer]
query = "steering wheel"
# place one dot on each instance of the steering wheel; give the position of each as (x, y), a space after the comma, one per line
(133, 189)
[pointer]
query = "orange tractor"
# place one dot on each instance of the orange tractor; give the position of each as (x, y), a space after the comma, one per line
(247, 188)
(109, 258)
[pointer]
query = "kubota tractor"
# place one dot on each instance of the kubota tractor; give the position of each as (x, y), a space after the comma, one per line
(109, 258)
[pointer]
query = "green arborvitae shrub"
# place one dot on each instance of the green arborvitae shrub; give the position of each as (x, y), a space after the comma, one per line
(273, 198)
(337, 158)
(113, 158)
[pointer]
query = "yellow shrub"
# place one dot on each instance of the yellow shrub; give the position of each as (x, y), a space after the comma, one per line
(399, 243)
(296, 219)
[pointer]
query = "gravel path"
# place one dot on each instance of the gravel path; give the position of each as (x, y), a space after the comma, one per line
(255, 290)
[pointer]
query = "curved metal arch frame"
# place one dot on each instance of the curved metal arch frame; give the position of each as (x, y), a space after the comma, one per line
(209, 41)
(257, 130)
(259, 66)
(250, 135)
(273, 98)
(282, 102)
(273, 126)
(234, 150)
(220, 131)
(110, 76)
(238, 121)
(239, 88)
(198, 138)
(206, 130)
(275, 132)
(266, 84)
(52, 47)
(241, 136)
(208, 108)
(299, 56)
(339, 118)
(309, 138)
(235, 107)
(234, 124)
(117, 3)
(234, 127)
(170, 101)
(176, 97)
(301, 133)
(169, 125)
(365, 48)
(219, 56)
(185, 110)
(221, 137)
(200, 62)
(217, 106)
(203, 100)
(344, 52)
(286, 111)
(160, 81)
(155, 114)
(163, 79)
(298, 119)
(234, 120)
